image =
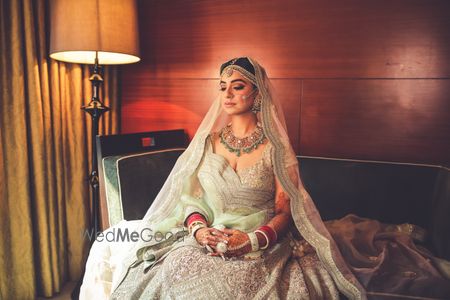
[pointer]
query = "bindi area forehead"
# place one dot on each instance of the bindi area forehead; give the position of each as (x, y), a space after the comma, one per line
(234, 76)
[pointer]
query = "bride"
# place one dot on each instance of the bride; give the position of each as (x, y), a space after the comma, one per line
(237, 222)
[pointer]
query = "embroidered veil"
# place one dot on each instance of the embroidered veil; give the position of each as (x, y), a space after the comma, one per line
(304, 213)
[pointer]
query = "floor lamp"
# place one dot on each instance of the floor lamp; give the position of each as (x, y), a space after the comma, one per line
(98, 32)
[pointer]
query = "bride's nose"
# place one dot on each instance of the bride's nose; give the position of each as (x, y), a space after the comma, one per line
(229, 93)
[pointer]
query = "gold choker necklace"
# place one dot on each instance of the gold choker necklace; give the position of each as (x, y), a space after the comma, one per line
(246, 144)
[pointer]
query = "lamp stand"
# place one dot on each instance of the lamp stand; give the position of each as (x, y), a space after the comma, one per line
(95, 109)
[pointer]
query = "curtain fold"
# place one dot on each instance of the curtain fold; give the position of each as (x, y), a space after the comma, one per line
(45, 155)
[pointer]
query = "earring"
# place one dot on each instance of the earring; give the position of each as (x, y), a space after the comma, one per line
(257, 104)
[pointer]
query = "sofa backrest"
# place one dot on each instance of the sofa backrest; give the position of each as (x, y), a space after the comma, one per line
(141, 179)
(389, 192)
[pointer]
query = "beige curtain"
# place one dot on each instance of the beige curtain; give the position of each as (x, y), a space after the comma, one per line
(44, 155)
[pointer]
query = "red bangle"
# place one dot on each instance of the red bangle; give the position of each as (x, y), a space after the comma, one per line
(271, 234)
(195, 217)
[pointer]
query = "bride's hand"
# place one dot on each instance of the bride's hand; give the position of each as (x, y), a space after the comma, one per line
(238, 243)
(210, 236)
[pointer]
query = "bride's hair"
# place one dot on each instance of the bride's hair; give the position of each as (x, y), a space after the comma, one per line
(242, 65)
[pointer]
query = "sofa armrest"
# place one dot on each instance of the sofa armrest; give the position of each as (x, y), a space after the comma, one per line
(114, 153)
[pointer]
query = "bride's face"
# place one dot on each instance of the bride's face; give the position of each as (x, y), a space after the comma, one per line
(237, 94)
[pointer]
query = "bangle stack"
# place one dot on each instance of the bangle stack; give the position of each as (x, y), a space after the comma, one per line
(195, 222)
(196, 227)
(269, 234)
(194, 218)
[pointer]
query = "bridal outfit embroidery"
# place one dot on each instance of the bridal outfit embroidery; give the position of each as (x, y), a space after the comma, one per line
(188, 273)
(352, 256)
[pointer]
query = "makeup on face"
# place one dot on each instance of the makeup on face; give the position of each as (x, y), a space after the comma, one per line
(236, 93)
(237, 86)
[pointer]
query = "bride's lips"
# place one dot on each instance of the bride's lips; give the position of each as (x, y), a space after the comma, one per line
(229, 104)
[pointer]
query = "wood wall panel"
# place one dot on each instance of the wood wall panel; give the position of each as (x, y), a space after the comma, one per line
(393, 120)
(166, 104)
(375, 73)
(159, 104)
(297, 39)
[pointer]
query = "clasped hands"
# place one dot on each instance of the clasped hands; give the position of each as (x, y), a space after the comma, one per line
(237, 242)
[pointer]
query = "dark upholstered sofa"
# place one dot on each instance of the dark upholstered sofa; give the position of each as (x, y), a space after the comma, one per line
(389, 192)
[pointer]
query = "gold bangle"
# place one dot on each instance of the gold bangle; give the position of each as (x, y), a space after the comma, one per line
(197, 227)
(266, 237)
(195, 223)
(253, 241)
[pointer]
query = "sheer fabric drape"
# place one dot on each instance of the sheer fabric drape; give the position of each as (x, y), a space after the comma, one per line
(307, 219)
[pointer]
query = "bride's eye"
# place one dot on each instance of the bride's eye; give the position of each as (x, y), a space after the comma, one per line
(222, 88)
(239, 87)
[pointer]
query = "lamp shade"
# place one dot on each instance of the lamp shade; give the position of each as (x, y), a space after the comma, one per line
(80, 29)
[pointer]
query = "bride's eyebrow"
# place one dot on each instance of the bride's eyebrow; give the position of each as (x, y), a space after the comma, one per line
(236, 80)
(233, 81)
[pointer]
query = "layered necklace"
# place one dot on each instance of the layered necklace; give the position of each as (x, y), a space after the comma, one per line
(246, 144)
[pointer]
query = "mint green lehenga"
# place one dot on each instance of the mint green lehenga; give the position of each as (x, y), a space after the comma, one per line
(243, 201)
(355, 257)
